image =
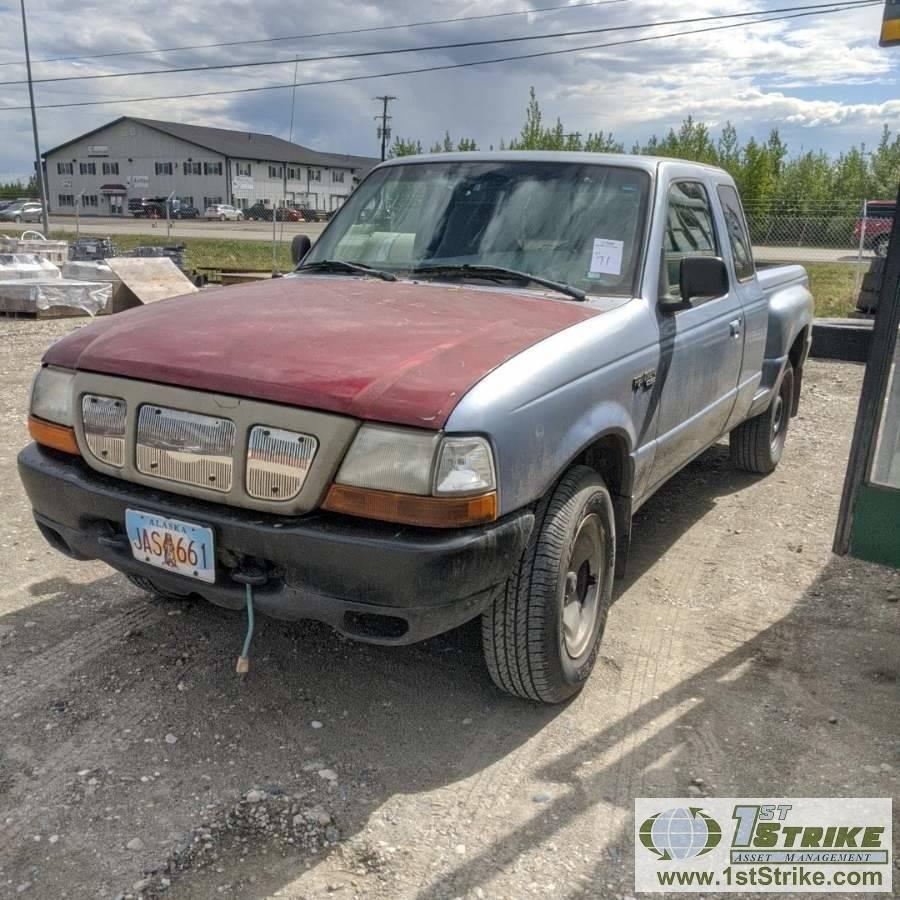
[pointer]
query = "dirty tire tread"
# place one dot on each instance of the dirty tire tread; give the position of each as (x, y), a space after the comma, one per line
(512, 627)
(749, 443)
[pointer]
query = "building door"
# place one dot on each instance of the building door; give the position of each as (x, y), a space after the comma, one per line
(116, 204)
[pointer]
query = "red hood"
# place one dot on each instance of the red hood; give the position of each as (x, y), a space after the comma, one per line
(390, 352)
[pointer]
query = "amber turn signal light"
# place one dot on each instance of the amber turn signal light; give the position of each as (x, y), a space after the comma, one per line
(59, 437)
(409, 509)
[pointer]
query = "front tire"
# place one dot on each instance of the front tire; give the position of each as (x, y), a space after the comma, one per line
(541, 635)
(757, 444)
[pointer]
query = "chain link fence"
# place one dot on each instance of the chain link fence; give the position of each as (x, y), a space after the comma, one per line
(828, 231)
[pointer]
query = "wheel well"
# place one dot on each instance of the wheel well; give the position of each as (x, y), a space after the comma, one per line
(795, 354)
(610, 458)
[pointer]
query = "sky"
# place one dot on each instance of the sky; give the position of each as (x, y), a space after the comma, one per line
(821, 80)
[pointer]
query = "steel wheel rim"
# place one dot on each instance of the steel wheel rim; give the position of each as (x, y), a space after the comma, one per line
(778, 418)
(582, 586)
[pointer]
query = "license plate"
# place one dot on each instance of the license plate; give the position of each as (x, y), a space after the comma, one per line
(172, 545)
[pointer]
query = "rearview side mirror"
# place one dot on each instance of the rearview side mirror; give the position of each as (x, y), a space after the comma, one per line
(299, 248)
(702, 277)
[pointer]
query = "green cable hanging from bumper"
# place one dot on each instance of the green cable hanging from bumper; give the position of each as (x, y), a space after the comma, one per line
(249, 577)
(243, 663)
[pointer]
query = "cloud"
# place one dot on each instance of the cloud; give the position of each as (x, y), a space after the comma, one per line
(821, 79)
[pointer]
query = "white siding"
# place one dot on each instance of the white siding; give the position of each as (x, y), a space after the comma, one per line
(136, 149)
(140, 152)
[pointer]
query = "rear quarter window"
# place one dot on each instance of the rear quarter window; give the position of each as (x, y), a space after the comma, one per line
(738, 237)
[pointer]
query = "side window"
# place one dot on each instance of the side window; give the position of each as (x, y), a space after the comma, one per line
(689, 230)
(737, 232)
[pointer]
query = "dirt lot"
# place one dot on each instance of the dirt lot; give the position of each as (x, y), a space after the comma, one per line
(739, 652)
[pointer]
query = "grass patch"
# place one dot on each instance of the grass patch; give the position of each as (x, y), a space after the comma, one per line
(832, 287)
(204, 253)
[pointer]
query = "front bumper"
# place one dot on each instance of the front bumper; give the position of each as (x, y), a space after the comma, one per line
(375, 582)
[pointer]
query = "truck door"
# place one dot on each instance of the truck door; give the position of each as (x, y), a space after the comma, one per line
(701, 346)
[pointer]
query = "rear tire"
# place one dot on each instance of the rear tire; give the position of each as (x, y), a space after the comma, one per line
(145, 584)
(541, 636)
(757, 444)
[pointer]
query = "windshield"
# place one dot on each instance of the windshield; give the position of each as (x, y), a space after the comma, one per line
(580, 224)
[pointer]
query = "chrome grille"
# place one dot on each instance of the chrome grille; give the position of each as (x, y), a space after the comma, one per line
(185, 447)
(277, 462)
(104, 427)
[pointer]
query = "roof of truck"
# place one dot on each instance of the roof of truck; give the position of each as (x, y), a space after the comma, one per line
(631, 160)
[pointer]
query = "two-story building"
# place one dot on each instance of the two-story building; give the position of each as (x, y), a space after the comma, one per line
(134, 158)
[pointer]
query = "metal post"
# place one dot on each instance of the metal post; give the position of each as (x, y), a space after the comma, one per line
(39, 168)
(169, 215)
(862, 240)
(274, 245)
(78, 214)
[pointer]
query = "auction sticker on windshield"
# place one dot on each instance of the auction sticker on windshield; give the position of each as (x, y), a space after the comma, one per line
(770, 845)
(170, 544)
(606, 257)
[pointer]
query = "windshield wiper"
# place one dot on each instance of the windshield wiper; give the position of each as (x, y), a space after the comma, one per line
(339, 265)
(500, 272)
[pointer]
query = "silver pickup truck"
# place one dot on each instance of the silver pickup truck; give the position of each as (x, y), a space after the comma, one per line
(451, 409)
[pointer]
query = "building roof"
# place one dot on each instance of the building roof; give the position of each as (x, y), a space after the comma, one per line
(241, 145)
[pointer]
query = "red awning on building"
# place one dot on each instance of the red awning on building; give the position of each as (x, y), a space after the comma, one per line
(113, 189)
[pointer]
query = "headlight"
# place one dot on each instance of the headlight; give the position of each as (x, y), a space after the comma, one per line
(390, 459)
(465, 466)
(416, 477)
(51, 396)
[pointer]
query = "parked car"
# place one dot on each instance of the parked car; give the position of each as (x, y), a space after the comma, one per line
(185, 211)
(223, 212)
(450, 410)
(261, 213)
(22, 211)
(878, 223)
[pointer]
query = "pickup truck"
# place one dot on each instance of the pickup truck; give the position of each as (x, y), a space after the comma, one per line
(451, 409)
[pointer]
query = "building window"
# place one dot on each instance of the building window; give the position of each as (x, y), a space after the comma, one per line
(242, 169)
(166, 168)
(67, 199)
(87, 168)
(211, 201)
(88, 199)
(292, 174)
(276, 171)
(111, 168)
(315, 174)
(212, 168)
(337, 177)
(192, 168)
(187, 201)
(65, 169)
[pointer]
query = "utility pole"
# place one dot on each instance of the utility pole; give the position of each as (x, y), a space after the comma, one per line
(39, 168)
(384, 130)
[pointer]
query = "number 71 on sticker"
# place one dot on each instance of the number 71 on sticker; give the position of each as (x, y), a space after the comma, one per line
(606, 257)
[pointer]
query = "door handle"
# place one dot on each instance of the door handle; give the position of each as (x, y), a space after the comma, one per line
(735, 326)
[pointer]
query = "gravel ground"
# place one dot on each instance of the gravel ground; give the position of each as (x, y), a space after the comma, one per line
(739, 652)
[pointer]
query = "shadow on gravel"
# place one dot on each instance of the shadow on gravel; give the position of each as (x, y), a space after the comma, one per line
(388, 721)
(778, 715)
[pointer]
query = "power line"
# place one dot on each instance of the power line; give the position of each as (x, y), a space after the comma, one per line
(447, 66)
(848, 4)
(296, 37)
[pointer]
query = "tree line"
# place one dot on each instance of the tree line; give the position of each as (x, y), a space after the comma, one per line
(768, 175)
